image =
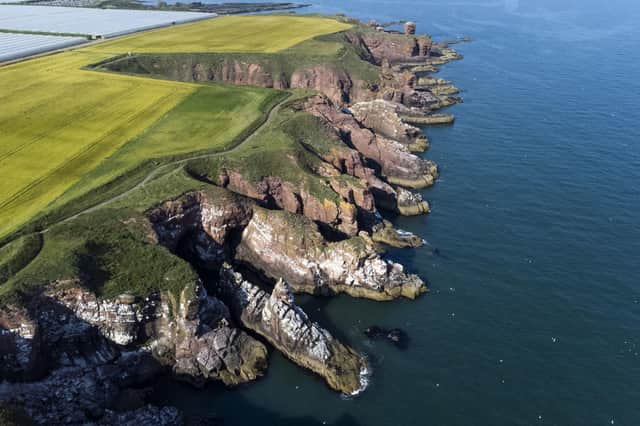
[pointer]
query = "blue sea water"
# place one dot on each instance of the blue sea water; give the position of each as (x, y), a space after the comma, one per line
(534, 312)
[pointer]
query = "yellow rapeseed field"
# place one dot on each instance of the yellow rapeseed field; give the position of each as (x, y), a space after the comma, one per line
(258, 33)
(58, 121)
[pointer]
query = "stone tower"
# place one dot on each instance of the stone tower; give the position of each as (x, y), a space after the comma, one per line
(410, 28)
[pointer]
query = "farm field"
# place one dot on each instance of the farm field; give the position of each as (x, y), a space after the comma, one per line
(60, 122)
(265, 33)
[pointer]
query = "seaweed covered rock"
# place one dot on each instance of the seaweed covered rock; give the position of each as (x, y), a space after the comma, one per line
(289, 246)
(285, 325)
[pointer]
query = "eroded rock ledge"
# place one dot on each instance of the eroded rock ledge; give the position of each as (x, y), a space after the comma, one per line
(281, 244)
(289, 329)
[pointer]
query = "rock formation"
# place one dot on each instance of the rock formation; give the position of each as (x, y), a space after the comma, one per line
(192, 334)
(91, 394)
(397, 163)
(278, 319)
(283, 245)
(383, 117)
(310, 225)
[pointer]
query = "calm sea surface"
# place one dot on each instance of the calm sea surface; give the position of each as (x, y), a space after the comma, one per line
(534, 312)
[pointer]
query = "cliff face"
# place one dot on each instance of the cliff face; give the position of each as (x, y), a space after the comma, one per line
(273, 191)
(392, 47)
(192, 335)
(336, 84)
(289, 329)
(301, 68)
(282, 245)
(239, 73)
(396, 161)
(91, 395)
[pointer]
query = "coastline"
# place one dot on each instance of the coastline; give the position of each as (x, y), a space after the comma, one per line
(379, 118)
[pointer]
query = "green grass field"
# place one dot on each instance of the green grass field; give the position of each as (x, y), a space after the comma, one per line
(60, 122)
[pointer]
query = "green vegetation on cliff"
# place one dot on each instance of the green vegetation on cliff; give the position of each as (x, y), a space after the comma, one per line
(108, 252)
(96, 232)
(286, 148)
(331, 51)
(46, 108)
(17, 254)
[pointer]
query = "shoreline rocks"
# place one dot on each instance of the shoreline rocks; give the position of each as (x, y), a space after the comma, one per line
(287, 327)
(431, 119)
(395, 336)
(91, 352)
(281, 245)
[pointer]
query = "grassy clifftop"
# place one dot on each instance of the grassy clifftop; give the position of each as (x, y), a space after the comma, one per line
(61, 121)
(328, 50)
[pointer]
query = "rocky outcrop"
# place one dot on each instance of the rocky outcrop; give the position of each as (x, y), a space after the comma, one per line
(283, 245)
(294, 197)
(91, 395)
(399, 85)
(192, 334)
(389, 235)
(397, 163)
(383, 117)
(392, 47)
(411, 203)
(286, 326)
(205, 345)
(240, 73)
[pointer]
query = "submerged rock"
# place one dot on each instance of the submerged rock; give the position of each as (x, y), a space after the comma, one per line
(286, 326)
(395, 336)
